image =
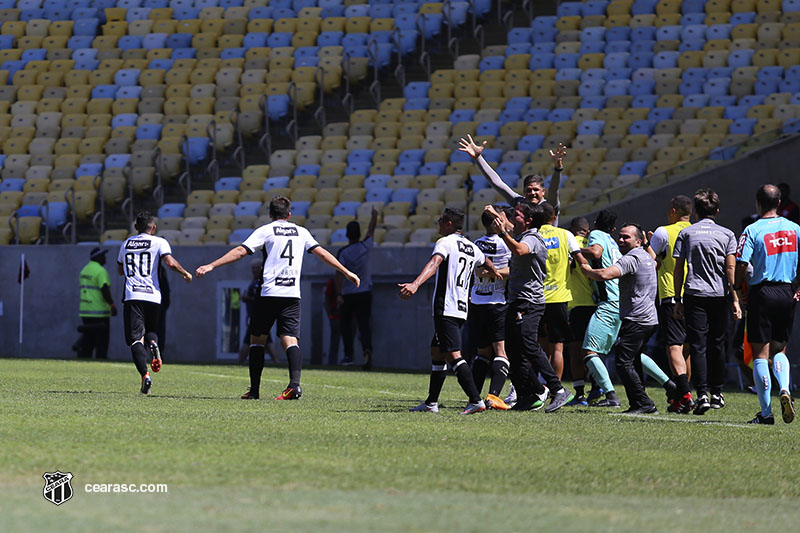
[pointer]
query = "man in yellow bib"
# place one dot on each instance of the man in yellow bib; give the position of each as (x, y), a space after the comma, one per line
(96, 306)
(673, 330)
(561, 248)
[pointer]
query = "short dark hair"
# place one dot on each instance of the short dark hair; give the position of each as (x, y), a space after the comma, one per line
(455, 216)
(605, 220)
(768, 197)
(534, 214)
(639, 229)
(578, 223)
(549, 212)
(144, 222)
(486, 220)
(280, 207)
(706, 203)
(353, 230)
(681, 204)
(532, 178)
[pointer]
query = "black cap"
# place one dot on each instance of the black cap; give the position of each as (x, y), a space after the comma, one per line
(97, 252)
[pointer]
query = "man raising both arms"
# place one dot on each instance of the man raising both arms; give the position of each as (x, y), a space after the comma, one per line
(138, 261)
(454, 259)
(533, 184)
(282, 244)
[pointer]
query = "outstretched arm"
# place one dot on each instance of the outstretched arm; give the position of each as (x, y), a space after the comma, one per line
(601, 274)
(230, 257)
(373, 221)
(328, 258)
(474, 151)
(555, 178)
(175, 266)
(407, 290)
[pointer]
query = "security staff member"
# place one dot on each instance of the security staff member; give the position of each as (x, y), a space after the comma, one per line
(96, 306)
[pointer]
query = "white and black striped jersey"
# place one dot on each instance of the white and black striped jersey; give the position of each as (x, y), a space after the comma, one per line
(140, 257)
(460, 256)
(491, 290)
(283, 245)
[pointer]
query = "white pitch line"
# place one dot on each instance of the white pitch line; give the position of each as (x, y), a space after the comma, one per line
(687, 421)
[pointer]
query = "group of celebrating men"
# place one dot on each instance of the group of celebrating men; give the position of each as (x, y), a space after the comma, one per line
(528, 289)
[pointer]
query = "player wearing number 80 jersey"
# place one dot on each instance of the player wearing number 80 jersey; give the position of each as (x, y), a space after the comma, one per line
(138, 261)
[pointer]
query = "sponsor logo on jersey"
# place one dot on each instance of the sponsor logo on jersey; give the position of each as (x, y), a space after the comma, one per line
(284, 282)
(283, 231)
(137, 245)
(781, 242)
(462, 306)
(465, 248)
(142, 288)
(551, 243)
(487, 247)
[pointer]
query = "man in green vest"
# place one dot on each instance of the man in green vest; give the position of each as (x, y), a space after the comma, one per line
(96, 306)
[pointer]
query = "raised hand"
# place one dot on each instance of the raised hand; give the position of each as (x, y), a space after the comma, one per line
(559, 155)
(468, 145)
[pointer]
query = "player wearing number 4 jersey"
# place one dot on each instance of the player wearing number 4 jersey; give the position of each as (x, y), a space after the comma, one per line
(453, 261)
(138, 261)
(282, 245)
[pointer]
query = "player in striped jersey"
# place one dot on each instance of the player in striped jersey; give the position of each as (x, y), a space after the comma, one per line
(138, 261)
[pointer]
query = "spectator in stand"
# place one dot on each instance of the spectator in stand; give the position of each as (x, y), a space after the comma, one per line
(788, 208)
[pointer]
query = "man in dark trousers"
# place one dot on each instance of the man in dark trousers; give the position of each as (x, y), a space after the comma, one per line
(706, 252)
(355, 303)
(638, 285)
(96, 307)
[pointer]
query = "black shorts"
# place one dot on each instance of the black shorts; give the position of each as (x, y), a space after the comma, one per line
(139, 318)
(555, 323)
(672, 329)
(770, 312)
(447, 335)
(487, 322)
(268, 309)
(579, 318)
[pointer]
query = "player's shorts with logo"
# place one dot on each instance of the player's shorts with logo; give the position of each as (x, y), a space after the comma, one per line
(555, 322)
(603, 328)
(269, 309)
(487, 323)
(447, 336)
(770, 312)
(139, 317)
(672, 329)
(579, 318)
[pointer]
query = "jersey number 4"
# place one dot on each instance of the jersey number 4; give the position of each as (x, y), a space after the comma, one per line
(287, 252)
(145, 264)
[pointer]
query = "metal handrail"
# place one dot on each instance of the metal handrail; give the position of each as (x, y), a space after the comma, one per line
(375, 86)
(291, 128)
(348, 101)
(14, 225)
(239, 152)
(319, 113)
(265, 141)
(400, 69)
(213, 165)
(185, 179)
(70, 193)
(158, 189)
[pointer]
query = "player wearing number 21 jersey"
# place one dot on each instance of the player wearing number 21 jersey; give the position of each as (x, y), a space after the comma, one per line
(282, 245)
(138, 261)
(453, 261)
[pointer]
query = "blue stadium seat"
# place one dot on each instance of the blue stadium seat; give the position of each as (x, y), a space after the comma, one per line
(12, 184)
(278, 39)
(34, 54)
(565, 61)
(183, 53)
(307, 170)
(615, 47)
(639, 33)
(277, 106)
(240, 235)
(645, 100)
(593, 47)
(462, 115)
(665, 59)
(29, 210)
(693, 32)
(593, 33)
(668, 33)
(434, 167)
(405, 8)
(407, 168)
(560, 114)
(360, 168)
(455, 13)
(591, 127)
(243, 209)
(379, 194)
(643, 7)
(511, 115)
(171, 210)
(85, 26)
(691, 45)
(639, 60)
(568, 74)
(543, 48)
(594, 74)
(594, 102)
(541, 61)
(129, 42)
(179, 40)
(752, 99)
(406, 195)
(693, 6)
(789, 86)
(743, 125)
(688, 87)
(195, 149)
(117, 160)
(660, 113)
(260, 12)
(346, 208)
(773, 72)
(149, 131)
(360, 156)
(695, 74)
(127, 76)
(615, 61)
(722, 101)
(790, 6)
(259, 39)
(765, 86)
(104, 91)
(381, 11)
(415, 155)
(642, 87)
(644, 74)
(569, 9)
(416, 89)
(695, 100)
(735, 112)
(416, 103)
(228, 184)
(523, 102)
(617, 88)
(491, 63)
(646, 127)
(520, 35)
(634, 167)
(276, 182)
(124, 119)
(488, 128)
(535, 114)
(56, 214)
(492, 155)
(747, 17)
(300, 208)
(154, 40)
(30, 14)
(137, 13)
(690, 19)
(717, 86)
(594, 7)
(642, 47)
(358, 10)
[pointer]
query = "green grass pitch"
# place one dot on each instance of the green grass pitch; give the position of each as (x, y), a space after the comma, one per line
(350, 457)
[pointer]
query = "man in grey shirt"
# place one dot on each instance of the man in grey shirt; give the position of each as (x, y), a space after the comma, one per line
(706, 251)
(638, 286)
(355, 303)
(528, 266)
